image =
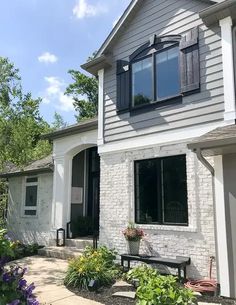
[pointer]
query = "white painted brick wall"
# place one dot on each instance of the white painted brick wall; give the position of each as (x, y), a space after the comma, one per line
(31, 229)
(117, 209)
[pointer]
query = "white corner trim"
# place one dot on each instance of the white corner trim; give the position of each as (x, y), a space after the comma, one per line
(149, 140)
(100, 106)
(222, 249)
(228, 68)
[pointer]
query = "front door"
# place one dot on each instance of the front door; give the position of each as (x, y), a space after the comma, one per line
(93, 186)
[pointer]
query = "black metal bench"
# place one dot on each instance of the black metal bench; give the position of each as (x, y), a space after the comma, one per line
(180, 262)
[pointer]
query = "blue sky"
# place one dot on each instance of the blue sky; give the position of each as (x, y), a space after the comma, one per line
(46, 38)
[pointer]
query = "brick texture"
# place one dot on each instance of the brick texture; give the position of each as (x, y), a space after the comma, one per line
(117, 209)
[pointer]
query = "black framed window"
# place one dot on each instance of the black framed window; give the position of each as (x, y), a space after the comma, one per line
(156, 77)
(31, 196)
(161, 191)
(158, 73)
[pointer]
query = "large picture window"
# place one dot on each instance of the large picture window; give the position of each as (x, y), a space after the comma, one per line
(31, 195)
(161, 191)
(156, 77)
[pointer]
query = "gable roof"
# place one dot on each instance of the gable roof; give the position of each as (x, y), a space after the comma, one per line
(102, 58)
(132, 7)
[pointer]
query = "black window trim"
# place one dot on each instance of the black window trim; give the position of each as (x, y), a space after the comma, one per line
(134, 59)
(160, 223)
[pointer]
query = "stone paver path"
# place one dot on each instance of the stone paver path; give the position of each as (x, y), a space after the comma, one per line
(47, 274)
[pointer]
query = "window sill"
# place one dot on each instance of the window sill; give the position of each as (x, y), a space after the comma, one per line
(156, 105)
(156, 228)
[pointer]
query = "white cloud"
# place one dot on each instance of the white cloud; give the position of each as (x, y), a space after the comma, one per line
(82, 9)
(47, 57)
(54, 94)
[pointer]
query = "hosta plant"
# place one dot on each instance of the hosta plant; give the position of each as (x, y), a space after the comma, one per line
(163, 290)
(142, 274)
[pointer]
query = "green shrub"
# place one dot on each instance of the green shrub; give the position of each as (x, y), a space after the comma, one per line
(142, 273)
(83, 226)
(94, 264)
(6, 245)
(163, 290)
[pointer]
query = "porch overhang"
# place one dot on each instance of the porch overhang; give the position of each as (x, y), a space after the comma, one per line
(219, 141)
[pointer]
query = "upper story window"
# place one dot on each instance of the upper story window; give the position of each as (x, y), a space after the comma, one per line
(163, 69)
(31, 196)
(156, 77)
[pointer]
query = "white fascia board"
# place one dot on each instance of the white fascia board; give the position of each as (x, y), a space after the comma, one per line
(117, 27)
(164, 138)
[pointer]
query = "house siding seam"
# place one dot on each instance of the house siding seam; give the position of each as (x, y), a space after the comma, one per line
(196, 241)
(164, 18)
(31, 229)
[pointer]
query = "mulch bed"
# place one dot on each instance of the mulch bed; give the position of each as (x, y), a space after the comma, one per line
(104, 296)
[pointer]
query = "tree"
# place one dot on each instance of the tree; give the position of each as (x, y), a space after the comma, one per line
(84, 91)
(58, 122)
(20, 122)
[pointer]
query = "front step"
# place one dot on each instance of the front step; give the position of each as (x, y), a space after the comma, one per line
(60, 252)
(80, 243)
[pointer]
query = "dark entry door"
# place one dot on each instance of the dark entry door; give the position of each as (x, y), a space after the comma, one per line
(93, 187)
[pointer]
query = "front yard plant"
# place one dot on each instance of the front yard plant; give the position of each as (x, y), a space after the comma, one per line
(156, 289)
(94, 264)
(14, 289)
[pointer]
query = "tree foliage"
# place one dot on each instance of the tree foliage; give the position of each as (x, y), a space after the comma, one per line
(84, 91)
(58, 122)
(20, 122)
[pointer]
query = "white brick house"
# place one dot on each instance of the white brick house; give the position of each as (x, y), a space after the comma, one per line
(165, 138)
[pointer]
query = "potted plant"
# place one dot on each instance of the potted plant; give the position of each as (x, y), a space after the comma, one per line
(133, 236)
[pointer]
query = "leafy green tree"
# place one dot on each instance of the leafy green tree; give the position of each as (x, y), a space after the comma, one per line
(58, 122)
(84, 91)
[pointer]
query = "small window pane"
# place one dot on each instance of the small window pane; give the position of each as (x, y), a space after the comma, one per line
(30, 212)
(167, 73)
(33, 179)
(147, 191)
(142, 89)
(31, 195)
(175, 190)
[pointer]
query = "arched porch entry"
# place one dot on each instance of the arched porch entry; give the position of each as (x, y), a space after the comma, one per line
(84, 205)
(73, 156)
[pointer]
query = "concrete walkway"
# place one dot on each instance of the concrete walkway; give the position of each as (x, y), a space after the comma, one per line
(47, 274)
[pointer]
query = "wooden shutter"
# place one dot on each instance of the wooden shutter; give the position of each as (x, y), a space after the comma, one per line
(189, 62)
(123, 86)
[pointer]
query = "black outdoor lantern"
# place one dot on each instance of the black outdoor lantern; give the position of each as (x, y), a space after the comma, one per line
(61, 237)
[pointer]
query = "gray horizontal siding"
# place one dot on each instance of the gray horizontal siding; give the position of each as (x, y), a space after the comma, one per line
(167, 17)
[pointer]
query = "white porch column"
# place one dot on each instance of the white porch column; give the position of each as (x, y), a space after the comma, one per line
(100, 106)
(222, 249)
(61, 191)
(228, 69)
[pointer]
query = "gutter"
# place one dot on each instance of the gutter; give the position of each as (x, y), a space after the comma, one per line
(216, 12)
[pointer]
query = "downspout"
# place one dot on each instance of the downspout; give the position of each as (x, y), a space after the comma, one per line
(204, 161)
